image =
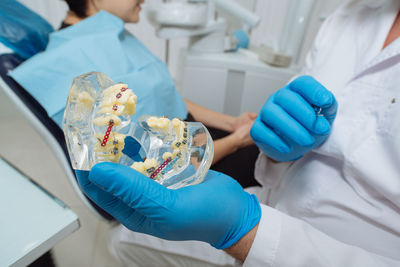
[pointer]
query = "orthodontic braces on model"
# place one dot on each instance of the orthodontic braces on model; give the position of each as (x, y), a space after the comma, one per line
(98, 128)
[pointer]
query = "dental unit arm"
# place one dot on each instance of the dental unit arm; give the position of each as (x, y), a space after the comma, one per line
(196, 19)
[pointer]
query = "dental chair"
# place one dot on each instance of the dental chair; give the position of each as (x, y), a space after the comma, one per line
(35, 114)
(43, 124)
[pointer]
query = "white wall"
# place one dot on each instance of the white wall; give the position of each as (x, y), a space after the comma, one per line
(272, 12)
(52, 10)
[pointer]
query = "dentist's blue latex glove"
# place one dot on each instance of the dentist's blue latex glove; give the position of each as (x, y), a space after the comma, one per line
(288, 127)
(216, 211)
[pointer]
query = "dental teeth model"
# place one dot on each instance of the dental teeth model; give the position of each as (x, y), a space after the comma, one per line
(98, 128)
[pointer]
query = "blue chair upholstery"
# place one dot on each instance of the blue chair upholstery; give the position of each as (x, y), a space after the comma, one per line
(22, 30)
(7, 63)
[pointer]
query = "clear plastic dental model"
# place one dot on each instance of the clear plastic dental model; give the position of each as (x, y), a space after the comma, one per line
(98, 128)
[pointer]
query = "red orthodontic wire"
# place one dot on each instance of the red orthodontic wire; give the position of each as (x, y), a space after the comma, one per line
(111, 124)
(107, 135)
(162, 166)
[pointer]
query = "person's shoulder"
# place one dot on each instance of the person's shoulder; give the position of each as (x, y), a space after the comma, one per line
(349, 7)
(354, 12)
(96, 25)
(349, 12)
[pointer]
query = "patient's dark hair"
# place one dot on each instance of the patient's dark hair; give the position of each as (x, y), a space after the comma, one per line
(78, 7)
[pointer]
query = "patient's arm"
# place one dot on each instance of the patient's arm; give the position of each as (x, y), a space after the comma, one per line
(218, 120)
(239, 127)
(211, 118)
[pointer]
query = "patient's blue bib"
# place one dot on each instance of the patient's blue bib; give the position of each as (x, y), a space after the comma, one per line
(99, 43)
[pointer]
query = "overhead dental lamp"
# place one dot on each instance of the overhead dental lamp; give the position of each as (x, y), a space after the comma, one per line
(196, 19)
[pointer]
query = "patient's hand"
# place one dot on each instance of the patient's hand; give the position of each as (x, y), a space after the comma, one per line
(243, 119)
(242, 135)
(231, 143)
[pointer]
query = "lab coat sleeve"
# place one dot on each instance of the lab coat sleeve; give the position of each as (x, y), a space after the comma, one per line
(285, 241)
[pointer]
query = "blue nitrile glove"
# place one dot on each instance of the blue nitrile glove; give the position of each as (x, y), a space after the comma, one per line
(217, 211)
(288, 125)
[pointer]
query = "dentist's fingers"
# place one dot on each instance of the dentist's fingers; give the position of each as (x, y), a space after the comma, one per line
(302, 111)
(278, 120)
(330, 112)
(133, 188)
(264, 136)
(312, 91)
(108, 202)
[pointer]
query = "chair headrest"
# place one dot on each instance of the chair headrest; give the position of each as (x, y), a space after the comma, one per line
(22, 30)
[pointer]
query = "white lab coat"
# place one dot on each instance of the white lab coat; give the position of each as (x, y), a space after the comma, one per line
(340, 204)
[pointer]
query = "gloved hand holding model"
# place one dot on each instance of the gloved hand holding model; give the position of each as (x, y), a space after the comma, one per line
(294, 120)
(216, 211)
